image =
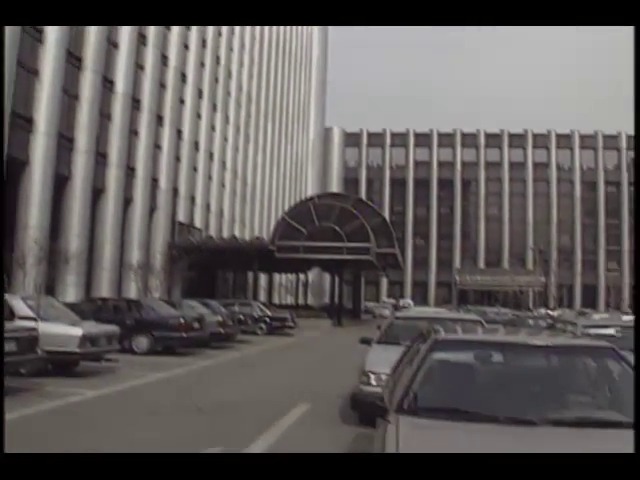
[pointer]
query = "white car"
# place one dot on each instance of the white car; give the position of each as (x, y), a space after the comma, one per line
(65, 339)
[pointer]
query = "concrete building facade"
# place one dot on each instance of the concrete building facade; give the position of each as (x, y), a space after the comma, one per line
(119, 139)
(558, 202)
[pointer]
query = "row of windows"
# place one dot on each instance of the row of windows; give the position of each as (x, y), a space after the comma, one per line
(564, 156)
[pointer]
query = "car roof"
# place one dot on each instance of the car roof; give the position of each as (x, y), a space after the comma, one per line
(524, 336)
(430, 313)
(592, 318)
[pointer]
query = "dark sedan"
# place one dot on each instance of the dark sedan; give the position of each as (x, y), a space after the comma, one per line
(218, 323)
(146, 325)
(255, 317)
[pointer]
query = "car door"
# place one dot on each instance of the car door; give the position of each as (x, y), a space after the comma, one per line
(102, 312)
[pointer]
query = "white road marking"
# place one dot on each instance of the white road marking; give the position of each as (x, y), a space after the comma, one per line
(271, 436)
(149, 379)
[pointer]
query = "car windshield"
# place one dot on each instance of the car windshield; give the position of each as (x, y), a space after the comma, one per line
(262, 309)
(247, 308)
(160, 308)
(451, 324)
(557, 385)
(193, 308)
(399, 333)
(48, 309)
(213, 306)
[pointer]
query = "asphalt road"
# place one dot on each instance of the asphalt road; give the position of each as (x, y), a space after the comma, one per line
(267, 394)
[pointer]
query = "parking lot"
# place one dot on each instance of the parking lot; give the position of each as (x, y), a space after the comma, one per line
(262, 394)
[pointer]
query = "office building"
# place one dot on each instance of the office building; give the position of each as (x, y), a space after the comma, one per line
(557, 203)
(120, 139)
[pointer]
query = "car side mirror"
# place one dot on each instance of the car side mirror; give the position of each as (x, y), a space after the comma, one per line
(366, 341)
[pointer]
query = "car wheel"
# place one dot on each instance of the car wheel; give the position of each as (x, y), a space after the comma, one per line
(141, 343)
(366, 419)
(64, 368)
(261, 329)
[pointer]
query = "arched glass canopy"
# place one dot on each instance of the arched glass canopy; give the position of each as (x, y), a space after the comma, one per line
(330, 230)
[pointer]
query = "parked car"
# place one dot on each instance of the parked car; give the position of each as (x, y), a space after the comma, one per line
(615, 327)
(218, 325)
(21, 352)
(254, 317)
(64, 338)
(146, 325)
(440, 317)
(384, 350)
(494, 315)
(485, 393)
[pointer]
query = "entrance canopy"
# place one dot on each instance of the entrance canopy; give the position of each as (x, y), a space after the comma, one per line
(332, 231)
(336, 230)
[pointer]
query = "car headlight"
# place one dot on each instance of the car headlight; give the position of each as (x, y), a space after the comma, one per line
(373, 379)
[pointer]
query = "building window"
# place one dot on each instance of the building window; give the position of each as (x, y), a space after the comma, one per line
(445, 154)
(516, 155)
(352, 156)
(492, 154)
(541, 155)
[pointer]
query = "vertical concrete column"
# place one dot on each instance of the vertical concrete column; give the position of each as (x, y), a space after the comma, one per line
(239, 204)
(270, 130)
(433, 221)
(11, 49)
(33, 219)
(189, 124)
(457, 200)
(358, 280)
(106, 260)
(253, 179)
(506, 200)
(71, 278)
(231, 158)
(162, 219)
(530, 254)
(306, 117)
(205, 133)
(287, 119)
(601, 302)
(135, 262)
(299, 124)
(386, 198)
(482, 201)
(409, 214)
(278, 142)
(220, 122)
(362, 165)
(552, 283)
(625, 253)
(276, 145)
(318, 86)
(577, 219)
(261, 124)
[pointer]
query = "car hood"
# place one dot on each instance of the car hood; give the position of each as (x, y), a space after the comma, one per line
(91, 327)
(417, 435)
(381, 358)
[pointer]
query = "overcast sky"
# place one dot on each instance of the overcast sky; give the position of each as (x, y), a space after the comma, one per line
(481, 77)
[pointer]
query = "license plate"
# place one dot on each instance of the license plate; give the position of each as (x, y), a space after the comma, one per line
(10, 346)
